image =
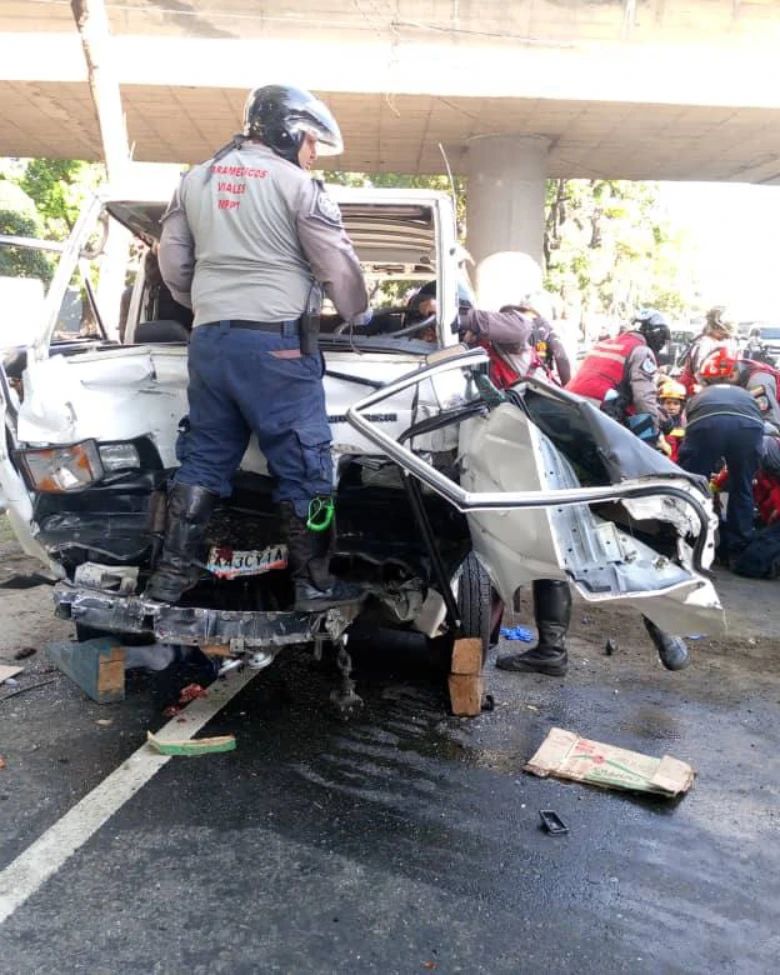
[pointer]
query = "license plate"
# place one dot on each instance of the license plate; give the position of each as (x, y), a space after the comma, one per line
(229, 563)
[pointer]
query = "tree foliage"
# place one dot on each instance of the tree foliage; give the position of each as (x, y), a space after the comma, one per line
(40, 198)
(58, 188)
(18, 218)
(22, 262)
(610, 247)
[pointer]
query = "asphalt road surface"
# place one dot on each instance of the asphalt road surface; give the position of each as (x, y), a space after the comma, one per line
(403, 841)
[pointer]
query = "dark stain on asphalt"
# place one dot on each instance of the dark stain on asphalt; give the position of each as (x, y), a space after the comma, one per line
(420, 834)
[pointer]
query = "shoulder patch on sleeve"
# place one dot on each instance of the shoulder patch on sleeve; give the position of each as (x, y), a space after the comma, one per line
(324, 207)
(649, 367)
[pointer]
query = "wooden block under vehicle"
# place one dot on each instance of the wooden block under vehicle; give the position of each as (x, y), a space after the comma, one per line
(466, 693)
(216, 650)
(97, 666)
(467, 656)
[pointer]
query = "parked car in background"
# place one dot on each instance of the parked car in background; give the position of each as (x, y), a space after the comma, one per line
(763, 343)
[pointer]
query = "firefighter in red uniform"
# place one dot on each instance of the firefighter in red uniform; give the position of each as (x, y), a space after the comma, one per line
(619, 375)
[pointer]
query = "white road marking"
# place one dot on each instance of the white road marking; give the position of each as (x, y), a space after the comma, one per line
(31, 869)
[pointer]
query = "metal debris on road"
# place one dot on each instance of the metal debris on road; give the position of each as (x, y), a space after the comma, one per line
(193, 746)
(552, 822)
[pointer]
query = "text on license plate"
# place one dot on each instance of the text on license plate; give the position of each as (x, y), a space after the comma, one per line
(229, 563)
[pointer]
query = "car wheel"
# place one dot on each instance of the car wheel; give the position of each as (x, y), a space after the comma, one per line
(479, 606)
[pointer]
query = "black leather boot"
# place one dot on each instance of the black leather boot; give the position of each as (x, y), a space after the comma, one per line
(189, 510)
(309, 561)
(672, 650)
(552, 614)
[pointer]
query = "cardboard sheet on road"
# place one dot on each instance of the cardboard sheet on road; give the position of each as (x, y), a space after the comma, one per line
(567, 756)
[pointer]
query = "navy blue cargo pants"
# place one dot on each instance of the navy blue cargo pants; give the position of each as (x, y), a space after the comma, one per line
(738, 441)
(243, 381)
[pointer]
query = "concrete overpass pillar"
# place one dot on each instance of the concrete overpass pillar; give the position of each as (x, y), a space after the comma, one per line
(505, 215)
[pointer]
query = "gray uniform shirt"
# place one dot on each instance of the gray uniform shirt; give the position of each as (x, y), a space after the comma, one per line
(641, 371)
(507, 331)
(245, 237)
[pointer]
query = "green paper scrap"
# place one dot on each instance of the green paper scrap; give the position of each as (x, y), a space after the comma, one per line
(193, 746)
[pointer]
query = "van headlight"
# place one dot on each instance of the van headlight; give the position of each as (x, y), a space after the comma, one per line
(119, 456)
(58, 470)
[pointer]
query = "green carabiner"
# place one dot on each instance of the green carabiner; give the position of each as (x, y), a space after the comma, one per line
(320, 514)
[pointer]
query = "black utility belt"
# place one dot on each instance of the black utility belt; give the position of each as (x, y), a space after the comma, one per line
(289, 328)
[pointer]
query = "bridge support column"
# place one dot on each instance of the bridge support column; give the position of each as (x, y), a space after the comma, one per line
(505, 215)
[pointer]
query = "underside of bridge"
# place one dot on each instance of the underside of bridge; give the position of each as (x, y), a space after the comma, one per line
(515, 92)
(640, 89)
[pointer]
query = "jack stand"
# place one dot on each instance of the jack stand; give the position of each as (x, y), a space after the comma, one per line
(344, 698)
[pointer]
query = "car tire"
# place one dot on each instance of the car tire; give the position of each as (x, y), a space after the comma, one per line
(475, 597)
(479, 606)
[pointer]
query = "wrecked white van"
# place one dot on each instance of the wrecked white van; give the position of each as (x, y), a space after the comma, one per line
(449, 495)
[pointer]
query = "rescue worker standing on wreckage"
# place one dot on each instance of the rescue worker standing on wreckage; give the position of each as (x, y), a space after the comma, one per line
(247, 240)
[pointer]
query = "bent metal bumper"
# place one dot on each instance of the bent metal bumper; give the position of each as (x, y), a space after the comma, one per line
(196, 626)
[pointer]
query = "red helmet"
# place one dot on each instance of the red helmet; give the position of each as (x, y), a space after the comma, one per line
(719, 364)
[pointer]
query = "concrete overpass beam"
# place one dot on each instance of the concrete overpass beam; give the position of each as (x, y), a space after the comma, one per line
(505, 215)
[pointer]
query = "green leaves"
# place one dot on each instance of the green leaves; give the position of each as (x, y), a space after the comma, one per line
(58, 188)
(610, 246)
(20, 262)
